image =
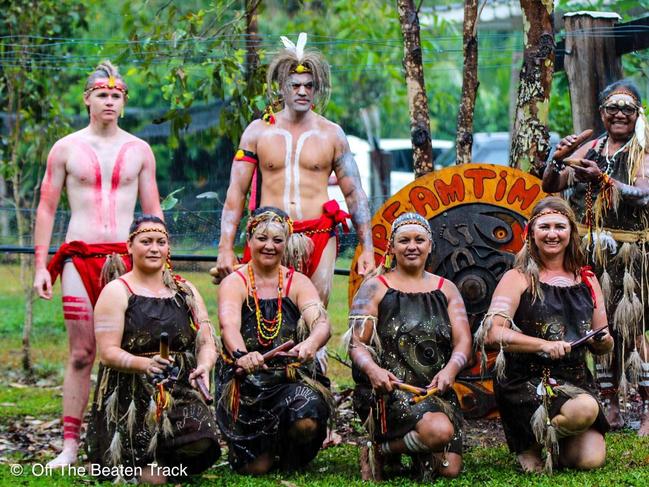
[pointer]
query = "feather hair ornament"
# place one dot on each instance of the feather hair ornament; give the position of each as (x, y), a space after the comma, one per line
(640, 129)
(298, 48)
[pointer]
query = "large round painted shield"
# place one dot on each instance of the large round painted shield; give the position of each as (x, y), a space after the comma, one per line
(477, 213)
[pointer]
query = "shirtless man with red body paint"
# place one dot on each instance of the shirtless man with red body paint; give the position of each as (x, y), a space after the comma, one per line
(102, 168)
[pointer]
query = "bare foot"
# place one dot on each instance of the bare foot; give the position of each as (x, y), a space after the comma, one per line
(614, 416)
(371, 468)
(530, 461)
(67, 457)
(644, 425)
(332, 439)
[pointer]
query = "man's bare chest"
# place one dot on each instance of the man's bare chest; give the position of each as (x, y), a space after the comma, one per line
(310, 150)
(103, 168)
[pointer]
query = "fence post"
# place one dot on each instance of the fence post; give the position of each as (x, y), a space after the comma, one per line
(591, 63)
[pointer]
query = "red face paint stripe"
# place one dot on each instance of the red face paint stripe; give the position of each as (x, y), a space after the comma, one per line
(74, 299)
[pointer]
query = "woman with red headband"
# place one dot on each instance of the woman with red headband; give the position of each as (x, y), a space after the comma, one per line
(543, 387)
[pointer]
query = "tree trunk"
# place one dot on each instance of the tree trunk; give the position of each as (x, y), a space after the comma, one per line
(14, 107)
(422, 157)
(470, 84)
(28, 294)
(591, 64)
(23, 225)
(252, 39)
(531, 138)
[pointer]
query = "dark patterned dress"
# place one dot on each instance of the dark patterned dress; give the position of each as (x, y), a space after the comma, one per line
(121, 428)
(564, 313)
(415, 334)
(270, 401)
(627, 217)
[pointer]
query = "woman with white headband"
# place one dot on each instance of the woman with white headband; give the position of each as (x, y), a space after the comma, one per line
(409, 338)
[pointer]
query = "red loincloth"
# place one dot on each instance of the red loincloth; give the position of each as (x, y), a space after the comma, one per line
(319, 230)
(88, 259)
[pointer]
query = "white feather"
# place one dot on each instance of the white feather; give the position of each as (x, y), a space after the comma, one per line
(299, 47)
(288, 44)
(640, 128)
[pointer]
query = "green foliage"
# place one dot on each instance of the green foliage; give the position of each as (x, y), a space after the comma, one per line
(204, 60)
(31, 94)
(560, 109)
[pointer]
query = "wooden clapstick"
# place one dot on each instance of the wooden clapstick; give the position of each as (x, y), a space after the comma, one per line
(202, 388)
(164, 345)
(581, 341)
(573, 162)
(402, 386)
(240, 371)
(561, 154)
(429, 392)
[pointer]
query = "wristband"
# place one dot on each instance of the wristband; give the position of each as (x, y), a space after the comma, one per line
(237, 354)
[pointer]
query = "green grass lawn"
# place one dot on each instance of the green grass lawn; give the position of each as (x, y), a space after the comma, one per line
(628, 455)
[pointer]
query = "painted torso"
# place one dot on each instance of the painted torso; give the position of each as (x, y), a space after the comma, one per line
(101, 182)
(295, 163)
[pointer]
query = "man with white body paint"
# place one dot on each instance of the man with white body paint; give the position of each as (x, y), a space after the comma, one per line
(286, 159)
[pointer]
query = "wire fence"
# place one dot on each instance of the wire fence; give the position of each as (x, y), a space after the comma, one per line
(194, 234)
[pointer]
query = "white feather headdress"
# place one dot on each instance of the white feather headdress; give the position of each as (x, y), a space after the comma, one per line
(298, 48)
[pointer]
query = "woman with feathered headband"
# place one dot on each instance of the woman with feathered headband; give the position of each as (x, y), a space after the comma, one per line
(606, 182)
(272, 409)
(543, 387)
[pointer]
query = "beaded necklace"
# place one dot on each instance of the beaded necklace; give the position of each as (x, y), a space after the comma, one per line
(611, 160)
(267, 330)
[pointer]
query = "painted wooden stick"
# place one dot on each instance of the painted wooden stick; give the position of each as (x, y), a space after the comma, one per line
(240, 371)
(429, 392)
(402, 386)
(581, 341)
(164, 345)
(564, 152)
(202, 388)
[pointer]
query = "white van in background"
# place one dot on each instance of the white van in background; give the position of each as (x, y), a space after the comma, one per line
(401, 173)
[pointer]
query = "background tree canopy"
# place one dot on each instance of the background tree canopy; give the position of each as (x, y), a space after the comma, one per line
(185, 62)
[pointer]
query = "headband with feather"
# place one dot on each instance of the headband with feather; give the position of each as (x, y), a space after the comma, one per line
(298, 50)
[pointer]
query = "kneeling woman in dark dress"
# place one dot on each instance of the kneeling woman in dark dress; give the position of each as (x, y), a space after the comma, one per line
(148, 420)
(409, 326)
(544, 389)
(271, 412)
